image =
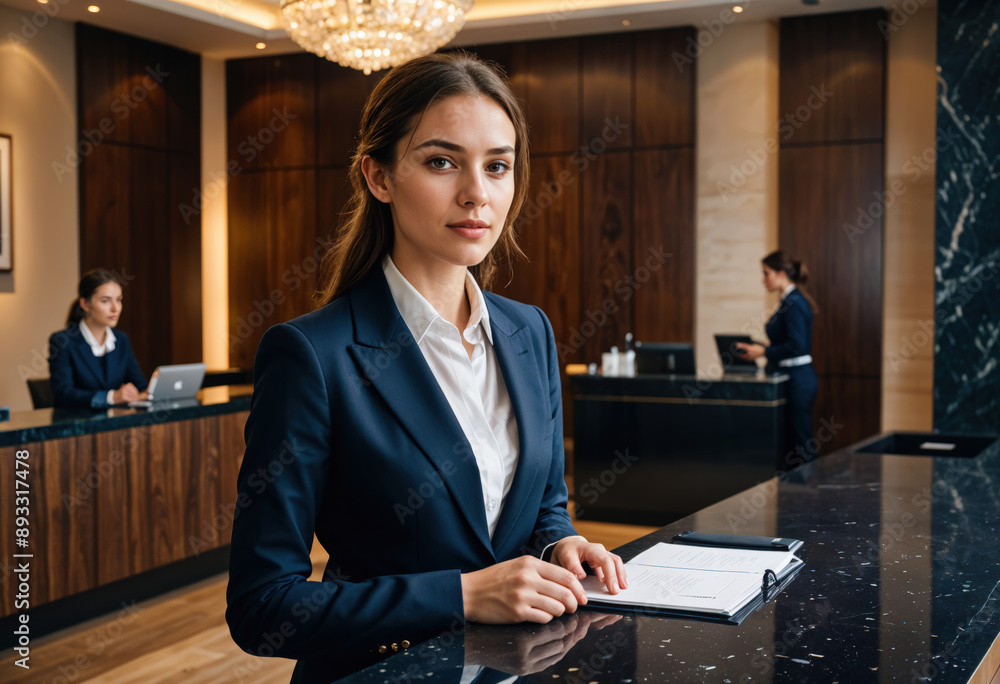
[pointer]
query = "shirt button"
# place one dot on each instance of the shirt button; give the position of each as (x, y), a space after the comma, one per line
(491, 506)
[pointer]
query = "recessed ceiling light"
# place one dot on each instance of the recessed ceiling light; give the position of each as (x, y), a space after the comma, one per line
(94, 9)
(626, 22)
(261, 46)
(738, 9)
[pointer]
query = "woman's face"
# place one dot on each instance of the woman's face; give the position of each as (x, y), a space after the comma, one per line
(452, 185)
(104, 306)
(774, 281)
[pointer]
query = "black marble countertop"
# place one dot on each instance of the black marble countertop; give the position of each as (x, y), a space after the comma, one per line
(901, 584)
(734, 386)
(25, 427)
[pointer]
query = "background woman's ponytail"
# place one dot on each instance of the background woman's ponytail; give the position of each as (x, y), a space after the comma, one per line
(801, 273)
(795, 270)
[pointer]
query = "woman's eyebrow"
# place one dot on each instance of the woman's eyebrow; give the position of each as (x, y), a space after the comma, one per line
(437, 142)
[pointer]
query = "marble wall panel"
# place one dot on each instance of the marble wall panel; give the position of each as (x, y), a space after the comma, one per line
(967, 235)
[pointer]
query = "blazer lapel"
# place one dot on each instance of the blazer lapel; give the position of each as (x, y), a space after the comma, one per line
(520, 373)
(388, 358)
(88, 361)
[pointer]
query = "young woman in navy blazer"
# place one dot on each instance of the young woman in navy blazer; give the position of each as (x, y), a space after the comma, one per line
(90, 366)
(790, 334)
(427, 461)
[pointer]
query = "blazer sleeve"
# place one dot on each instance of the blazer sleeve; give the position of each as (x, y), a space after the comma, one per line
(553, 522)
(797, 324)
(291, 447)
(64, 392)
(133, 373)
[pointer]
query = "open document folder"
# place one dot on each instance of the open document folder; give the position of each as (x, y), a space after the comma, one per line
(696, 581)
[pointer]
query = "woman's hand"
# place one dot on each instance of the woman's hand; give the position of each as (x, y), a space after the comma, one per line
(125, 394)
(750, 351)
(526, 651)
(571, 553)
(524, 589)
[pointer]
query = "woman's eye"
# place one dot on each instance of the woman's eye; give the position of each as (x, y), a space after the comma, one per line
(439, 163)
(498, 167)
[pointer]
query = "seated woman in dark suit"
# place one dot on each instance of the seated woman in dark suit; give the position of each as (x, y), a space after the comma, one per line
(414, 422)
(790, 333)
(89, 364)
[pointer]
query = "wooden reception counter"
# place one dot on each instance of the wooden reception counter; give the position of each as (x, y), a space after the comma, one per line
(115, 494)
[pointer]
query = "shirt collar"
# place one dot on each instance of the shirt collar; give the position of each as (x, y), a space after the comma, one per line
(95, 346)
(417, 312)
(788, 290)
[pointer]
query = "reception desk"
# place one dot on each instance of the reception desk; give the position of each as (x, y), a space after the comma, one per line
(119, 493)
(651, 449)
(901, 584)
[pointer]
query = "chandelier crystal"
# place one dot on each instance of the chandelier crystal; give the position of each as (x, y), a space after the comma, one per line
(369, 35)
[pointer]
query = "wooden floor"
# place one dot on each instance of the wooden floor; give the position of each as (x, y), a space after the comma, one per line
(182, 637)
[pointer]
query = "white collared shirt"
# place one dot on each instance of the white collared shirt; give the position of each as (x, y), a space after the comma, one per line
(98, 349)
(475, 388)
(788, 291)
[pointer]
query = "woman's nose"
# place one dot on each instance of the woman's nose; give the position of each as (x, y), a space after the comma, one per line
(473, 192)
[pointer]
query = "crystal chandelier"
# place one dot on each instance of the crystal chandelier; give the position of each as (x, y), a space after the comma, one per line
(369, 35)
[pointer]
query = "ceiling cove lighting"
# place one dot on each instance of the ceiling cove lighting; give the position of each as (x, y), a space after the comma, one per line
(370, 35)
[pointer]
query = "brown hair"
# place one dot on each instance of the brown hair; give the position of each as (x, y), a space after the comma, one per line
(89, 283)
(392, 111)
(795, 270)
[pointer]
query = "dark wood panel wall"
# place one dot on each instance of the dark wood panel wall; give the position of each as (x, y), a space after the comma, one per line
(139, 148)
(609, 223)
(832, 106)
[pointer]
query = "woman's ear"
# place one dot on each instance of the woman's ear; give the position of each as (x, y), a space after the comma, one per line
(377, 179)
(84, 304)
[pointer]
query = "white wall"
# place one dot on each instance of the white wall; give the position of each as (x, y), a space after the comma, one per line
(38, 109)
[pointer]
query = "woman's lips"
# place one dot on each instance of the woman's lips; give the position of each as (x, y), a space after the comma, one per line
(470, 229)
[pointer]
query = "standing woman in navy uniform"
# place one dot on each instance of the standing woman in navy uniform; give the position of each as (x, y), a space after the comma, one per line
(90, 366)
(413, 423)
(790, 333)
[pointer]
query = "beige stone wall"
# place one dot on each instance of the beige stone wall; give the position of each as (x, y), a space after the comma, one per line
(908, 314)
(737, 184)
(214, 215)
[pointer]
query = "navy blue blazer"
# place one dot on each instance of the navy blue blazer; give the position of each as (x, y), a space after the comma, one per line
(789, 330)
(350, 436)
(80, 379)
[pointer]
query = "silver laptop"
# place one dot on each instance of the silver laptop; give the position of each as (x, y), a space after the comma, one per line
(173, 386)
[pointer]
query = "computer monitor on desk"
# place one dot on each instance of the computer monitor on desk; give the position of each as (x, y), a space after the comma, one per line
(664, 358)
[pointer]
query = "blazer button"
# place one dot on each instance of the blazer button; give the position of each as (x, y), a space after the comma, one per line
(383, 650)
(405, 644)
(395, 647)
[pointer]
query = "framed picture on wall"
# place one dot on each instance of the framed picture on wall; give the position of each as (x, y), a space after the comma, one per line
(6, 214)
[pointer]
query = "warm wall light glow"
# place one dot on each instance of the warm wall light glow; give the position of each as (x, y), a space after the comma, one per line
(261, 46)
(43, 2)
(626, 22)
(94, 9)
(738, 9)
